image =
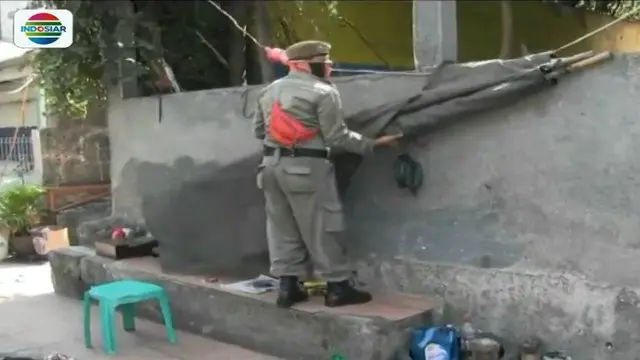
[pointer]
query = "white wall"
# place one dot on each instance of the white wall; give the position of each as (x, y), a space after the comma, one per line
(11, 114)
(6, 21)
(11, 105)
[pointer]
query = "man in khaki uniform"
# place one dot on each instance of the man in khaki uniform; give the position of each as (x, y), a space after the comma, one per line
(299, 117)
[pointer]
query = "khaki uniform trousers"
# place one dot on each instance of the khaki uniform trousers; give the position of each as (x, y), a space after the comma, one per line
(305, 219)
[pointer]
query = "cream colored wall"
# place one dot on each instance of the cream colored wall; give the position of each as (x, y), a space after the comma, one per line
(623, 37)
(539, 26)
(387, 25)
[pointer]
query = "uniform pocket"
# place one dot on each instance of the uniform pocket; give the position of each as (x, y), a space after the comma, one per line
(333, 218)
(299, 179)
(259, 177)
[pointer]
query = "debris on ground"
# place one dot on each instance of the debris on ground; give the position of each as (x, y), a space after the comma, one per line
(259, 285)
(54, 356)
(315, 287)
(477, 344)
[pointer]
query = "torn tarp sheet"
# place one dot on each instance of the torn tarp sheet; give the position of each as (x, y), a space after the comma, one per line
(451, 92)
(454, 90)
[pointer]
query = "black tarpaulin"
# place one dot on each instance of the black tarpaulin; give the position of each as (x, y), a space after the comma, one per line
(454, 91)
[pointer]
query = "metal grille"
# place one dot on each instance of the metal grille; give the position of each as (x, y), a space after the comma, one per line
(18, 157)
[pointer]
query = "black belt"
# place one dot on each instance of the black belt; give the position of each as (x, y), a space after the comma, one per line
(297, 152)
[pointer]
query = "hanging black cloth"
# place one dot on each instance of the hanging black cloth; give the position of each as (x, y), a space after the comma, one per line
(408, 173)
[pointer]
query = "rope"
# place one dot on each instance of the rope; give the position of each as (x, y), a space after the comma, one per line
(602, 28)
(23, 86)
(260, 45)
(563, 47)
(236, 24)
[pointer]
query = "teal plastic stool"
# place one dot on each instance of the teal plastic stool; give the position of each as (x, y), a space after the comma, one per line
(124, 294)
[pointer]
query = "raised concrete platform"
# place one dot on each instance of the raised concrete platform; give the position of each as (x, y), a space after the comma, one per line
(374, 331)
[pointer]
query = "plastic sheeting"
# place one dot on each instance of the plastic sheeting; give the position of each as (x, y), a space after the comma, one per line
(452, 92)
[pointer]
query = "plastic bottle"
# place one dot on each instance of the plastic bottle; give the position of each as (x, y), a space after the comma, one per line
(435, 352)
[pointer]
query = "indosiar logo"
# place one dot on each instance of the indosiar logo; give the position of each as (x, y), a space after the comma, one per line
(35, 29)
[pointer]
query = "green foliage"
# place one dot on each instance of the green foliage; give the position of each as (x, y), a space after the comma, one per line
(184, 35)
(615, 8)
(171, 30)
(285, 34)
(72, 78)
(21, 207)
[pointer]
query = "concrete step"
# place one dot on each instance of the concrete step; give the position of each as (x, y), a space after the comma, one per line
(373, 331)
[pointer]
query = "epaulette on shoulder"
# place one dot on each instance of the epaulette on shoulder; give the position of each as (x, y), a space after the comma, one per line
(325, 88)
(273, 84)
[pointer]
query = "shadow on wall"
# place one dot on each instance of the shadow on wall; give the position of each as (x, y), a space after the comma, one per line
(176, 202)
(191, 177)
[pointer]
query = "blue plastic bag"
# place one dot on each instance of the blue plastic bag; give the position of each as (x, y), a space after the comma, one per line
(436, 343)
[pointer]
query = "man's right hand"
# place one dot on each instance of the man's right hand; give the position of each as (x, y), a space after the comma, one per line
(388, 140)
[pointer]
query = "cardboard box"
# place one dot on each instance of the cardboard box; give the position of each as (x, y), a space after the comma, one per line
(50, 238)
(117, 250)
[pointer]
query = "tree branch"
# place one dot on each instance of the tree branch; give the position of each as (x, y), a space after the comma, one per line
(219, 56)
(364, 40)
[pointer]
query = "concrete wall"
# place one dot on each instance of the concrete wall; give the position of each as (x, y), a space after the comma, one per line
(7, 8)
(195, 151)
(76, 151)
(528, 217)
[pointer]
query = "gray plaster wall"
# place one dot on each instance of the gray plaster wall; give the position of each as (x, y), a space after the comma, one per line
(529, 218)
(76, 151)
(186, 164)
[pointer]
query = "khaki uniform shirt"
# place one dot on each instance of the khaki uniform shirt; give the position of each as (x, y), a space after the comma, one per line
(316, 103)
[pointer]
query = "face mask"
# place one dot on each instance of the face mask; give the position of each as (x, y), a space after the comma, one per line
(317, 69)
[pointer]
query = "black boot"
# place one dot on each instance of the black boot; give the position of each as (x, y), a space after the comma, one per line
(290, 292)
(343, 293)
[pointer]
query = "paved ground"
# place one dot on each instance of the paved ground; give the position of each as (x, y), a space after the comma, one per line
(35, 322)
